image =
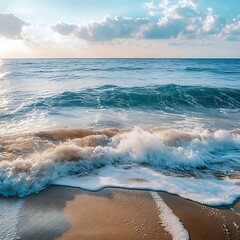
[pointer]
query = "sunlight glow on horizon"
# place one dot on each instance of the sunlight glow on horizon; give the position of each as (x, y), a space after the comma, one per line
(176, 28)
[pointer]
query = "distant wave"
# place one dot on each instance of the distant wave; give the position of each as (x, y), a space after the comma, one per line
(110, 69)
(214, 70)
(153, 97)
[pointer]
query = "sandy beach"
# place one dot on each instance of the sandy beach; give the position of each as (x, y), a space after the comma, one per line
(70, 213)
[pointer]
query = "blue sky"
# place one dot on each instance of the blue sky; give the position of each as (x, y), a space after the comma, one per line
(119, 28)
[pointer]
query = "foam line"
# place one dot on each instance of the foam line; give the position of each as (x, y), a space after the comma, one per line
(211, 192)
(170, 221)
(197, 164)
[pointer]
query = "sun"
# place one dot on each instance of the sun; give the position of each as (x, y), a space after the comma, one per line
(12, 48)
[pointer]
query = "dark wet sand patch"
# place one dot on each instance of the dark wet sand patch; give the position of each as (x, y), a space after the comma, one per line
(69, 213)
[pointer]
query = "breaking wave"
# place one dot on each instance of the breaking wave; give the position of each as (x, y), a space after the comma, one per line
(30, 162)
(153, 97)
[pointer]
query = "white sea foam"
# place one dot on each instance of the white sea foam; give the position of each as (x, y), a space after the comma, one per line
(170, 221)
(2, 74)
(9, 214)
(175, 149)
(29, 165)
(31, 122)
(206, 191)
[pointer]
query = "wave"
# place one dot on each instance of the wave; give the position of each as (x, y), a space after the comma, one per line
(163, 97)
(210, 69)
(112, 69)
(30, 162)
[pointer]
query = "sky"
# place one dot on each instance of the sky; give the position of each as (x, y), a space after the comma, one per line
(119, 28)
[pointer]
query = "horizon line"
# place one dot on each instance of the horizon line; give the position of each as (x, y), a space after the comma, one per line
(19, 58)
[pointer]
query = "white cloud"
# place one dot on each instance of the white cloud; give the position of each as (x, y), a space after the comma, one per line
(167, 19)
(64, 29)
(212, 23)
(11, 26)
(150, 5)
(181, 19)
(187, 3)
(104, 30)
(232, 31)
(176, 19)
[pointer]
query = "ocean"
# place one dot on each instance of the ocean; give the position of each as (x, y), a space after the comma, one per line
(159, 124)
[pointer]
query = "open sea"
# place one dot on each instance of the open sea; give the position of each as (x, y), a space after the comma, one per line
(157, 124)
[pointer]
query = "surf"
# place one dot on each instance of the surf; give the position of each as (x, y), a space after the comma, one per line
(30, 162)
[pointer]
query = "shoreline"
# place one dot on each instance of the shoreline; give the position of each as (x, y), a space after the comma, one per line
(221, 206)
(60, 212)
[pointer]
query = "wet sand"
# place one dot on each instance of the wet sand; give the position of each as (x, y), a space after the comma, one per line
(68, 213)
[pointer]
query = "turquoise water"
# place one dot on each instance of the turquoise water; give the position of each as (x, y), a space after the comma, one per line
(108, 92)
(178, 117)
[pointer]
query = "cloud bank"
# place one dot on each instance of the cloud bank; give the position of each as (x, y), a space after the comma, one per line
(11, 26)
(165, 20)
(104, 30)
